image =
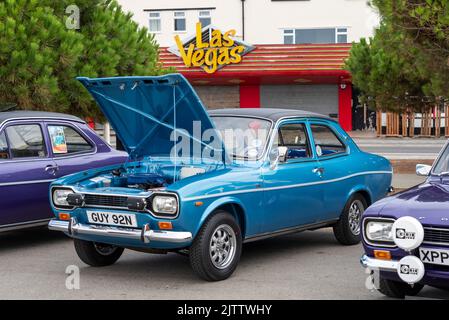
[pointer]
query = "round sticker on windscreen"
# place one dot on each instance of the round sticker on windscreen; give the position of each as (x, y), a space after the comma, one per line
(408, 233)
(410, 269)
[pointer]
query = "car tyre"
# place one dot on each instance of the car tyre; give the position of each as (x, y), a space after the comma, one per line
(347, 230)
(97, 254)
(398, 290)
(216, 250)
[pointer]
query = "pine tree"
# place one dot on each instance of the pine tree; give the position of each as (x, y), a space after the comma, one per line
(406, 64)
(40, 57)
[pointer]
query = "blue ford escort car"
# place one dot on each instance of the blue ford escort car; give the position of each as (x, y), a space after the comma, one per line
(203, 184)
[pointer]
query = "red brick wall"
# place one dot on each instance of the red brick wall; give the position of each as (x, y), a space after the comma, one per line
(217, 97)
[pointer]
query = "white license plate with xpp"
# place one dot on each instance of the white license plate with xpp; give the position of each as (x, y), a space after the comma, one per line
(434, 256)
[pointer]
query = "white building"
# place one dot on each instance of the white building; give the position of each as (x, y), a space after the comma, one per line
(259, 21)
(297, 55)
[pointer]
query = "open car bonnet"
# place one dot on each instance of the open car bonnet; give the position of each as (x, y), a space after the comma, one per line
(145, 111)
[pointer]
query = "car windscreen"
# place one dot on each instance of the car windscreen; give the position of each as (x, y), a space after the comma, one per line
(442, 166)
(243, 137)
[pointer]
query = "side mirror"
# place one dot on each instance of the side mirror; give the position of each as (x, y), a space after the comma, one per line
(423, 170)
(283, 154)
(274, 158)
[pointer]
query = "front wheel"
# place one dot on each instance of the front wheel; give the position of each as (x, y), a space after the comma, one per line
(97, 254)
(216, 250)
(396, 289)
(347, 230)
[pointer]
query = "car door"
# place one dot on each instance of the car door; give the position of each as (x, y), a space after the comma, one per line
(26, 171)
(335, 165)
(291, 194)
(71, 149)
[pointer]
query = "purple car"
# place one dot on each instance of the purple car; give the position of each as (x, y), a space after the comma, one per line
(37, 148)
(406, 236)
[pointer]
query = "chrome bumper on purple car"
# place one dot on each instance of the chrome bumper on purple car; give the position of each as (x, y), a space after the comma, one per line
(383, 265)
(145, 235)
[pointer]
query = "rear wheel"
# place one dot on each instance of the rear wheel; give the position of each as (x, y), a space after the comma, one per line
(396, 289)
(97, 254)
(216, 250)
(347, 230)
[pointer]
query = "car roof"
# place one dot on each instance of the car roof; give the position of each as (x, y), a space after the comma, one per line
(273, 114)
(23, 115)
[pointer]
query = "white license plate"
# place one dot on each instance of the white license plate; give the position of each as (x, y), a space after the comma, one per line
(112, 218)
(434, 256)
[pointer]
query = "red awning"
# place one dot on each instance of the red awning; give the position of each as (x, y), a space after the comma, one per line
(306, 63)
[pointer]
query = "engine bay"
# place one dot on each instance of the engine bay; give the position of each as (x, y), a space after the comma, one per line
(144, 176)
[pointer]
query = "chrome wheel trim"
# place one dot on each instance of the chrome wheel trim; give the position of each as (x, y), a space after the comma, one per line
(104, 249)
(356, 210)
(222, 246)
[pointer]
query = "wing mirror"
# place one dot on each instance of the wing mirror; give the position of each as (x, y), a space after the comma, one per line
(274, 156)
(283, 154)
(423, 170)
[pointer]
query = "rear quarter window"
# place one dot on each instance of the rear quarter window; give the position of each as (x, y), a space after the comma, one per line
(327, 143)
(66, 140)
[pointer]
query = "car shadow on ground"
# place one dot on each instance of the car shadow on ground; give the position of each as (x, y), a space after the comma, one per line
(26, 238)
(175, 268)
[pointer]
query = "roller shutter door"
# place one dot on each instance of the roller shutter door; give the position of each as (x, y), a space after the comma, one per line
(316, 98)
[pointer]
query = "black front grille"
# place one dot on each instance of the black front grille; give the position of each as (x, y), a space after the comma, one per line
(433, 235)
(105, 201)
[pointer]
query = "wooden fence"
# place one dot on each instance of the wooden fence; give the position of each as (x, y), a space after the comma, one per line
(404, 125)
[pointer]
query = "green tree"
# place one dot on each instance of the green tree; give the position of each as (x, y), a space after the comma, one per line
(387, 78)
(424, 25)
(405, 64)
(40, 57)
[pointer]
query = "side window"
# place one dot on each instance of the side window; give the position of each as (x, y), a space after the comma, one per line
(293, 139)
(26, 141)
(66, 140)
(4, 154)
(326, 141)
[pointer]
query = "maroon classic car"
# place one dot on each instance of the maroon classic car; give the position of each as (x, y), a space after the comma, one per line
(37, 148)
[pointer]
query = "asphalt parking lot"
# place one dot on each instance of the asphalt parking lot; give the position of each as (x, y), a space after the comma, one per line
(308, 265)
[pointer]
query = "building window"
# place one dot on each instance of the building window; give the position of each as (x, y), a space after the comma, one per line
(289, 36)
(315, 36)
(155, 22)
(180, 21)
(205, 18)
(342, 35)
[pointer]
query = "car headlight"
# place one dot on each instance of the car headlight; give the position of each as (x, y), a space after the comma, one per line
(379, 231)
(165, 204)
(59, 197)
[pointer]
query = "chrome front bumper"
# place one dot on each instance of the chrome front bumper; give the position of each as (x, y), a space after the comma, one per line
(145, 235)
(384, 265)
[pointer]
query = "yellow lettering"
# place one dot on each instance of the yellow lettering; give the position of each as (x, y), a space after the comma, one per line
(228, 42)
(197, 58)
(211, 61)
(215, 40)
(199, 37)
(223, 58)
(186, 57)
(210, 55)
(235, 54)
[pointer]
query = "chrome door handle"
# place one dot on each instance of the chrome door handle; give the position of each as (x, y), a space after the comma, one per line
(319, 171)
(51, 169)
